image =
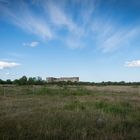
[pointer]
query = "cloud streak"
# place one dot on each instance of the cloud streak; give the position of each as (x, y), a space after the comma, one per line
(118, 37)
(5, 65)
(59, 18)
(134, 63)
(72, 23)
(31, 44)
(111, 35)
(24, 17)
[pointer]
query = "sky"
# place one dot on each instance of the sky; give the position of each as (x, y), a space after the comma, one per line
(96, 40)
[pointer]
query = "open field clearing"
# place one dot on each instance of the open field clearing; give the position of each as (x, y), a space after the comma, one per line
(70, 113)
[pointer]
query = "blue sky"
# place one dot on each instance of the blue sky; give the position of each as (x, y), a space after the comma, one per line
(97, 40)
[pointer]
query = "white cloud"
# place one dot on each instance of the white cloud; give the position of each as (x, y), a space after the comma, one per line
(5, 64)
(119, 39)
(31, 44)
(34, 44)
(26, 19)
(56, 20)
(60, 18)
(134, 63)
(73, 43)
(111, 36)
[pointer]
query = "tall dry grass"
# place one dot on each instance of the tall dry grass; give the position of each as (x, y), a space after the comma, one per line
(69, 113)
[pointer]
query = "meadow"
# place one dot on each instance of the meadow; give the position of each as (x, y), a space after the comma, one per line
(54, 112)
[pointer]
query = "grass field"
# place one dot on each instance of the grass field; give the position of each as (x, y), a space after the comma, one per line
(70, 113)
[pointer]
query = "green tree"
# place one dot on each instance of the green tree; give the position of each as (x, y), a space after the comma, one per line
(23, 80)
(31, 81)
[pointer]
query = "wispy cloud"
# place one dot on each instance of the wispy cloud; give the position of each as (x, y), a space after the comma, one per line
(134, 63)
(111, 36)
(70, 22)
(64, 19)
(5, 64)
(118, 39)
(74, 43)
(24, 17)
(31, 44)
(59, 18)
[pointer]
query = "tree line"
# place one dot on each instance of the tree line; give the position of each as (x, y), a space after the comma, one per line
(24, 81)
(38, 81)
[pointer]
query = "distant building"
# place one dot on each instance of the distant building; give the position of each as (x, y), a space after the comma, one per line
(51, 79)
(62, 79)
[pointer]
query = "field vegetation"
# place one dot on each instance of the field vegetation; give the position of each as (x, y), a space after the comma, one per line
(69, 112)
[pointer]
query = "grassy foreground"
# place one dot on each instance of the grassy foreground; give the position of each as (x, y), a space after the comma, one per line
(69, 113)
